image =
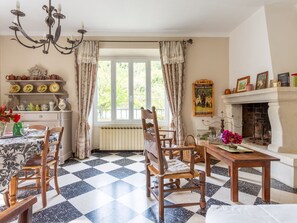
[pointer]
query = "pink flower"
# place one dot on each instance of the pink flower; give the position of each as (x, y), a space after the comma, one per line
(229, 137)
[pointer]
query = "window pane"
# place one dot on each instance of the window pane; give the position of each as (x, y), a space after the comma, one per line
(139, 88)
(122, 90)
(104, 91)
(158, 89)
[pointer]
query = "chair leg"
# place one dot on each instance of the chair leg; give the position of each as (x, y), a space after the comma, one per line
(148, 181)
(202, 192)
(56, 178)
(47, 177)
(161, 197)
(6, 199)
(43, 187)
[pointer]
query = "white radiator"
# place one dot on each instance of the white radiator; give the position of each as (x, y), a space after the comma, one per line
(120, 138)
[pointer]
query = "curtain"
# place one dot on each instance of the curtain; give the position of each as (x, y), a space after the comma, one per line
(173, 62)
(86, 58)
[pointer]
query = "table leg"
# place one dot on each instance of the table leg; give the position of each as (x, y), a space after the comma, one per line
(207, 162)
(234, 183)
(266, 181)
(13, 185)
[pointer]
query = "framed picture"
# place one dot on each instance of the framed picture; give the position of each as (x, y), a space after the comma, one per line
(262, 80)
(284, 78)
(242, 83)
(203, 95)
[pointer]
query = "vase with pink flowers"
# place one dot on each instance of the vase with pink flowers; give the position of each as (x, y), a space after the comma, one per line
(231, 139)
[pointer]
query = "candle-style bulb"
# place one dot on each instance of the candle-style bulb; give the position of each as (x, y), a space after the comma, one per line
(18, 6)
(82, 25)
(59, 8)
(44, 36)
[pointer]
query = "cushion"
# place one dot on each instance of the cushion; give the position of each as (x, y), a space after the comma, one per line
(176, 166)
(280, 213)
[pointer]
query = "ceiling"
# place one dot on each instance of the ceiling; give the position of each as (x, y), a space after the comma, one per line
(137, 17)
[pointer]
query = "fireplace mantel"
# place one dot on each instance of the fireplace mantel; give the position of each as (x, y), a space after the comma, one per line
(280, 94)
(282, 112)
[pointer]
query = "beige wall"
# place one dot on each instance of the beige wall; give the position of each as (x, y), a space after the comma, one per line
(207, 58)
(249, 49)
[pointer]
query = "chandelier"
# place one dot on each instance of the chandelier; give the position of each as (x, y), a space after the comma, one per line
(53, 15)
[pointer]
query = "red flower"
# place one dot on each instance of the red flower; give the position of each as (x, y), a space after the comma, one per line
(228, 137)
(7, 117)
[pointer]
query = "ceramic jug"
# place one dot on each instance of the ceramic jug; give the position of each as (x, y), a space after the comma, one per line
(51, 106)
(62, 104)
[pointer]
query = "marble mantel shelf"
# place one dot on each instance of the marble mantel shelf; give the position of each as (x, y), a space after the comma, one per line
(264, 95)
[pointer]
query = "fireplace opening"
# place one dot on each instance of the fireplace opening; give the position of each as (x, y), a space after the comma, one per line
(256, 127)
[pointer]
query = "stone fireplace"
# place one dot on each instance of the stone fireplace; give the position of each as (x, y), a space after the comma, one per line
(281, 106)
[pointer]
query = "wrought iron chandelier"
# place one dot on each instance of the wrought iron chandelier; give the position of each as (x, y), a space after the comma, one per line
(53, 15)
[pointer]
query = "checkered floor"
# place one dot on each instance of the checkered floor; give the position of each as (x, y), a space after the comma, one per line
(110, 187)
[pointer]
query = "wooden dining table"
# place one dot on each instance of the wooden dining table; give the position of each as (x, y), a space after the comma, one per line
(14, 153)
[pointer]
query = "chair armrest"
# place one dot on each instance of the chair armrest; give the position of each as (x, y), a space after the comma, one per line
(22, 209)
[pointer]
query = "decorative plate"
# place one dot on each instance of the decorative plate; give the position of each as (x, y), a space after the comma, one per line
(14, 88)
(28, 88)
(54, 87)
(42, 88)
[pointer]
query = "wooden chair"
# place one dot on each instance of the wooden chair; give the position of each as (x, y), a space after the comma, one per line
(22, 209)
(38, 167)
(199, 150)
(162, 169)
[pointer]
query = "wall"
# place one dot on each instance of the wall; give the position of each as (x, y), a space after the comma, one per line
(282, 30)
(249, 49)
(207, 58)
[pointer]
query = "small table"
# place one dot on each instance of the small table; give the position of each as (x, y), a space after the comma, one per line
(237, 160)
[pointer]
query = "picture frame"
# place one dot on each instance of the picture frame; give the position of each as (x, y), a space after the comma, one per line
(203, 98)
(262, 80)
(241, 85)
(284, 78)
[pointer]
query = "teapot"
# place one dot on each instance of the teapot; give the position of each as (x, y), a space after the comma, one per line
(21, 107)
(30, 107)
(44, 107)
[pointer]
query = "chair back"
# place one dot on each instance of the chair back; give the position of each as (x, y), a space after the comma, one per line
(152, 145)
(55, 142)
(38, 127)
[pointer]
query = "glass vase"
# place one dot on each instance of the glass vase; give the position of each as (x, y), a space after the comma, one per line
(16, 131)
(2, 128)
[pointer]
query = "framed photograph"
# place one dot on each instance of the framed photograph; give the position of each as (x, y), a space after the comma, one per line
(284, 78)
(202, 91)
(262, 80)
(242, 83)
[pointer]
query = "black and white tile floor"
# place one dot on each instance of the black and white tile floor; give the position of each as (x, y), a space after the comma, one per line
(110, 187)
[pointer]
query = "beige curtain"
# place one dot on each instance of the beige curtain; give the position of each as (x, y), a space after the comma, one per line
(173, 61)
(86, 57)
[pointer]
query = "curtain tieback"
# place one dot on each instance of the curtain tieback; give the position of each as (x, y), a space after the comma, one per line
(86, 123)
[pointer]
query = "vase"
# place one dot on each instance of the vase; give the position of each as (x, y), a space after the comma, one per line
(16, 130)
(2, 128)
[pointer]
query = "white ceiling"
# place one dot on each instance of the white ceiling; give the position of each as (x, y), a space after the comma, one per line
(137, 17)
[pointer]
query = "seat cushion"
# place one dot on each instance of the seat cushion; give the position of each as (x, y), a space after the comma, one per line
(176, 166)
(36, 160)
(280, 213)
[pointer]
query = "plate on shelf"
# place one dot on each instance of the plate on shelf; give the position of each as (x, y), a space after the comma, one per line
(54, 87)
(28, 88)
(14, 88)
(41, 88)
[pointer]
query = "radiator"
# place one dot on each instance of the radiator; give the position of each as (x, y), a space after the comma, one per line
(120, 138)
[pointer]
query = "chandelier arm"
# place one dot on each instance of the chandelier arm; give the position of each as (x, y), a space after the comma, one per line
(45, 51)
(32, 47)
(72, 47)
(61, 51)
(19, 27)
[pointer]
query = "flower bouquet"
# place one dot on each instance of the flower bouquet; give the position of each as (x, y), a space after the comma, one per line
(6, 117)
(231, 138)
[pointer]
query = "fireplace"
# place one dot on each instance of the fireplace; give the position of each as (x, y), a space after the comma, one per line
(268, 118)
(256, 126)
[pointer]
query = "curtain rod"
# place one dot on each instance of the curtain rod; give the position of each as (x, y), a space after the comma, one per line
(190, 41)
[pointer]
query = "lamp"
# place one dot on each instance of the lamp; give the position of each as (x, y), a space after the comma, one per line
(48, 39)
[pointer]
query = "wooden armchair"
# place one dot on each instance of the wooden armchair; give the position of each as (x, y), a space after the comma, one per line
(22, 209)
(172, 170)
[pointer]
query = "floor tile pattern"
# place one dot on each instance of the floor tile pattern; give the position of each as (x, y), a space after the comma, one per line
(110, 188)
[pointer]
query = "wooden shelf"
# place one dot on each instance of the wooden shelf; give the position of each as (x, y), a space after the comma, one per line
(34, 81)
(34, 94)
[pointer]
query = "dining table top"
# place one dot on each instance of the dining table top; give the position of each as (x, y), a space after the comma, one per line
(14, 153)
